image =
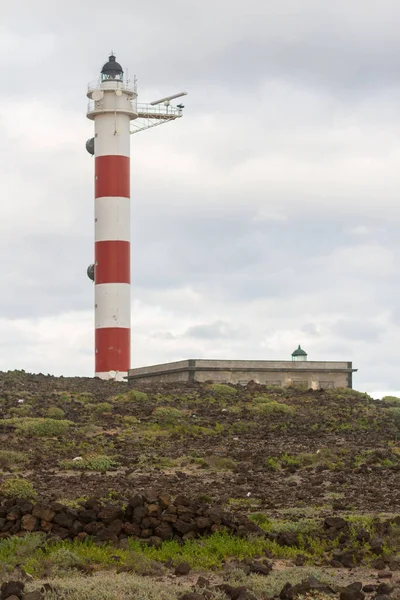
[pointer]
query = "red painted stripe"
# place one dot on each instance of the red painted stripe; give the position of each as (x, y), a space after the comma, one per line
(112, 259)
(113, 349)
(112, 176)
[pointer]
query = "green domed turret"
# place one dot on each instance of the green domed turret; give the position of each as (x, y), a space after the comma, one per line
(299, 354)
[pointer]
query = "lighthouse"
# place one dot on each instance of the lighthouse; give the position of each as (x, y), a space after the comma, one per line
(113, 107)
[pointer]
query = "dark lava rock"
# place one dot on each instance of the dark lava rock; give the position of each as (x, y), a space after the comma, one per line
(382, 597)
(239, 593)
(377, 546)
(287, 539)
(88, 516)
(379, 564)
(311, 584)
(202, 582)
(32, 596)
(47, 588)
(394, 565)
(384, 588)
(335, 523)
(347, 559)
(260, 568)
(182, 569)
(192, 596)
(352, 592)
(385, 575)
(363, 536)
(63, 520)
(356, 585)
(11, 588)
(336, 564)
(369, 588)
(43, 512)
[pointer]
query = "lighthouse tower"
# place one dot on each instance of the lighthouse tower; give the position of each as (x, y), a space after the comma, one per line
(113, 106)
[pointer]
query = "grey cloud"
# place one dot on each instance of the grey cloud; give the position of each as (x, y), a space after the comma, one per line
(163, 335)
(213, 331)
(354, 329)
(45, 275)
(310, 329)
(339, 49)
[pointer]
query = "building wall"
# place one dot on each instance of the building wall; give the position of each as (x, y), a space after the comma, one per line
(180, 365)
(313, 374)
(315, 380)
(164, 377)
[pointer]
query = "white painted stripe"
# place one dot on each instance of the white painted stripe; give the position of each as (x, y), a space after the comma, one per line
(115, 375)
(112, 305)
(112, 135)
(112, 219)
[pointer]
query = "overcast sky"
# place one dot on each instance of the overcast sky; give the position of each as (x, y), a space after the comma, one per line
(266, 218)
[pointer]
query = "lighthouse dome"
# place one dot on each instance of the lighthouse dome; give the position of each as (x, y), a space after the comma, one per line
(112, 69)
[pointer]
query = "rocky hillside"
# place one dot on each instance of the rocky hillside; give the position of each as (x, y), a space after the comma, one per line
(74, 438)
(196, 492)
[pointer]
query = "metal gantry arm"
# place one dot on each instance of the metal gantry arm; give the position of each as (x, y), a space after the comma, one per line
(157, 113)
(147, 119)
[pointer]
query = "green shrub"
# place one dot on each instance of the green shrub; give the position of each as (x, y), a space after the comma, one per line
(220, 463)
(390, 401)
(343, 393)
(288, 460)
(138, 563)
(64, 558)
(394, 412)
(331, 459)
(83, 398)
(24, 410)
(273, 408)
(167, 415)
(130, 421)
(260, 519)
(11, 458)
(90, 463)
(272, 464)
(222, 391)
(55, 413)
(260, 399)
(18, 488)
(131, 396)
(41, 427)
(102, 407)
(138, 396)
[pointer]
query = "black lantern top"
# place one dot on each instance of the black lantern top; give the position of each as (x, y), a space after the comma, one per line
(111, 69)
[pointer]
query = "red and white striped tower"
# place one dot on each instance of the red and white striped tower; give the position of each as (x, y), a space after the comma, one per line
(112, 106)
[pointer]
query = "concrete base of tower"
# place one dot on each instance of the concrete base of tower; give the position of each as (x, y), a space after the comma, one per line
(113, 375)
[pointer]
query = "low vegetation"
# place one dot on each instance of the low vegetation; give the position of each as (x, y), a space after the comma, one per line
(272, 407)
(41, 427)
(90, 463)
(12, 458)
(390, 401)
(167, 415)
(54, 412)
(18, 488)
(222, 391)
